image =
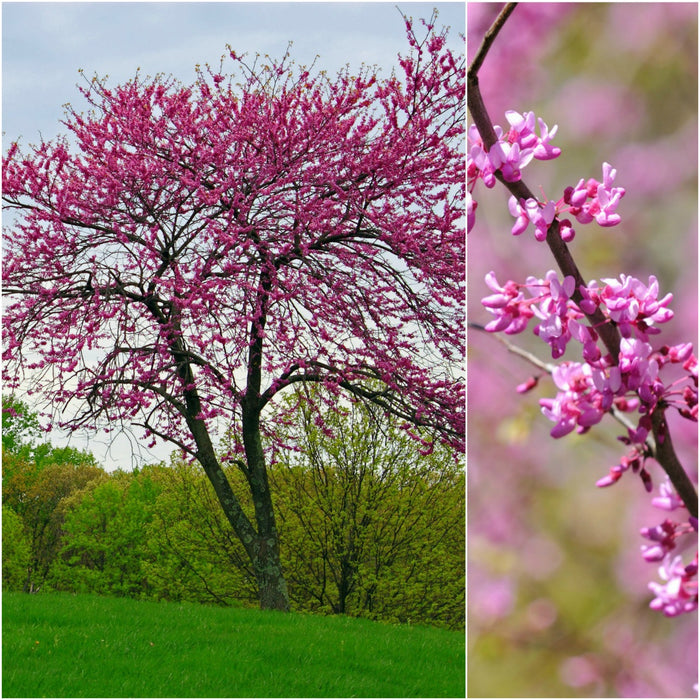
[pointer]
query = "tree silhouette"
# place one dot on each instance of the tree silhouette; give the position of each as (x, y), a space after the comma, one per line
(197, 249)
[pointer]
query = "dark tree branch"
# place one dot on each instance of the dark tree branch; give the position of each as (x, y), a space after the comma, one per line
(666, 456)
(608, 332)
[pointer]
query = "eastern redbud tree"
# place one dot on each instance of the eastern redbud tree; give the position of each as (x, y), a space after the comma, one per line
(192, 251)
(621, 368)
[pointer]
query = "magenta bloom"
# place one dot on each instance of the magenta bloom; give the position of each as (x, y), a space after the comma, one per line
(471, 212)
(531, 211)
(577, 405)
(508, 305)
(634, 306)
(523, 130)
(604, 199)
(512, 158)
(513, 150)
(553, 310)
(668, 498)
(679, 593)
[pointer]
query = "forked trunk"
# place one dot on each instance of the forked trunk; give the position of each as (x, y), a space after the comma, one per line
(262, 546)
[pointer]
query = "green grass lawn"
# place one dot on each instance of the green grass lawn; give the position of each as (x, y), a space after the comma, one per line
(61, 645)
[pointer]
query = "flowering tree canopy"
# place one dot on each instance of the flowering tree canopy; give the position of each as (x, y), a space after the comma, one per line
(193, 250)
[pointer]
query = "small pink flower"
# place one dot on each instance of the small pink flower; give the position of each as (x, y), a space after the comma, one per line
(528, 385)
(523, 130)
(531, 211)
(509, 159)
(679, 593)
(668, 498)
(577, 405)
(677, 353)
(554, 310)
(509, 306)
(513, 150)
(634, 306)
(604, 199)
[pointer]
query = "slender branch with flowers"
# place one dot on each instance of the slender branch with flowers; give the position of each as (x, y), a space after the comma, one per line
(628, 377)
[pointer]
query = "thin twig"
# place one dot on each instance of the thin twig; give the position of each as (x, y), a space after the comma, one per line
(658, 443)
(548, 367)
(606, 330)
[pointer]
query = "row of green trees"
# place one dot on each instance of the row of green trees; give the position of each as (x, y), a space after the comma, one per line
(368, 525)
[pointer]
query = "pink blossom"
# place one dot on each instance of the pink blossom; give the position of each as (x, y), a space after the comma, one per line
(513, 150)
(640, 372)
(554, 309)
(634, 306)
(509, 158)
(664, 538)
(608, 383)
(471, 212)
(531, 211)
(528, 385)
(577, 405)
(188, 225)
(604, 199)
(628, 314)
(509, 306)
(522, 131)
(668, 498)
(677, 353)
(479, 164)
(679, 593)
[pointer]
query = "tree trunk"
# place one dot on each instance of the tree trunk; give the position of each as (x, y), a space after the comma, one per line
(262, 546)
(266, 560)
(272, 586)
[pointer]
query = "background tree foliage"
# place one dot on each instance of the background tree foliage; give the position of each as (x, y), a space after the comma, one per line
(195, 556)
(36, 480)
(103, 538)
(369, 526)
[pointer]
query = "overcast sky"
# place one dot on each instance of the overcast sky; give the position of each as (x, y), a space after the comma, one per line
(45, 43)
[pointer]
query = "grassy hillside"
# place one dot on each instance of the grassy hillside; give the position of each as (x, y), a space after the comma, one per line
(61, 645)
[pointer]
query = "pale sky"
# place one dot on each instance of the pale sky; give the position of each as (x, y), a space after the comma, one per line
(45, 43)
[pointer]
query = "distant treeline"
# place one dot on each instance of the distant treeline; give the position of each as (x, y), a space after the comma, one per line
(369, 526)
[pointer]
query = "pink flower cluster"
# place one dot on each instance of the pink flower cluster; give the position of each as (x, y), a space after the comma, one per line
(629, 375)
(514, 149)
(679, 593)
(589, 389)
(588, 201)
(604, 199)
(109, 300)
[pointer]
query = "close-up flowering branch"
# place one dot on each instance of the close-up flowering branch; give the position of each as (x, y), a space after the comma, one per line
(630, 377)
